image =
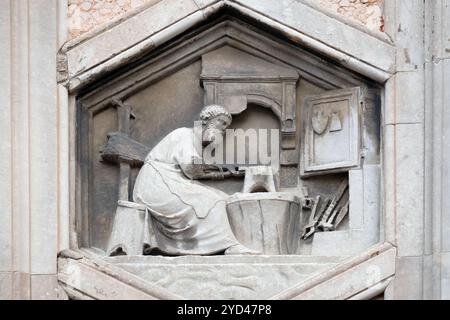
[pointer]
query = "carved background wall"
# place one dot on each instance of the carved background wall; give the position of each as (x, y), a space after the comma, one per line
(85, 15)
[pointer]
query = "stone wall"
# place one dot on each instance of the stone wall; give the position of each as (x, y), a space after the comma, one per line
(85, 15)
(366, 12)
(34, 182)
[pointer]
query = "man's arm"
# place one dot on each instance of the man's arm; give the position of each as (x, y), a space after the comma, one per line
(204, 172)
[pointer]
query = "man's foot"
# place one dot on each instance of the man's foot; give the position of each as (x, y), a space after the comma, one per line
(239, 249)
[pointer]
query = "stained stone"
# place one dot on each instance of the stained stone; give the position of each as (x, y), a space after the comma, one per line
(249, 214)
(226, 277)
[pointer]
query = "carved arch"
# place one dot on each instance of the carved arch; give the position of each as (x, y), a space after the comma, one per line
(265, 102)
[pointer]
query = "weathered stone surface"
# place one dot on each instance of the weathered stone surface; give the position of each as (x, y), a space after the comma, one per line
(99, 280)
(445, 276)
(29, 143)
(85, 15)
(88, 59)
(408, 283)
(408, 36)
(6, 145)
(20, 120)
(356, 184)
(44, 287)
(389, 178)
(436, 213)
(270, 222)
(64, 162)
(440, 11)
(358, 278)
(404, 173)
(6, 286)
(365, 271)
(410, 188)
(100, 48)
(228, 62)
(43, 142)
(410, 107)
(14, 286)
(365, 12)
(304, 19)
(372, 199)
(347, 242)
(442, 101)
(225, 277)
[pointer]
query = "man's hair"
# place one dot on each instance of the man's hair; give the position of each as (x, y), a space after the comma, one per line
(213, 110)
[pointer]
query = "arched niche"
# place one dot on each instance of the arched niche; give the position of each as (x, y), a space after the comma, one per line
(254, 117)
(234, 78)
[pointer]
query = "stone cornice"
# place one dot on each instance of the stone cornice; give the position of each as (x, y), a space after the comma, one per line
(91, 56)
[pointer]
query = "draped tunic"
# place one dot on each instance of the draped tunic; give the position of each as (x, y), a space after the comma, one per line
(188, 217)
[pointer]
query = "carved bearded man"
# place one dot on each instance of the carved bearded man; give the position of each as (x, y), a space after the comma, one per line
(189, 218)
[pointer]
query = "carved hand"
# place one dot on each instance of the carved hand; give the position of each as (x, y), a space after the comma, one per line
(217, 175)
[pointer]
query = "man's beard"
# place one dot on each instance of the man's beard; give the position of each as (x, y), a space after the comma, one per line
(209, 135)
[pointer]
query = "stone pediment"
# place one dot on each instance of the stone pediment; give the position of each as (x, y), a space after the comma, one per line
(225, 36)
(91, 56)
(228, 63)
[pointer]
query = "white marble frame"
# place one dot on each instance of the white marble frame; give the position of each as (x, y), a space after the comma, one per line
(403, 194)
(34, 170)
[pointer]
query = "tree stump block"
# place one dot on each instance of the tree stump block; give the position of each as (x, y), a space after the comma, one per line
(269, 222)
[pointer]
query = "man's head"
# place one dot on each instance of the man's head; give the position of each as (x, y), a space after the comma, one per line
(215, 120)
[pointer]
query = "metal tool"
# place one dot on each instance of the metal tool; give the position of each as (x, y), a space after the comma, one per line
(315, 216)
(323, 224)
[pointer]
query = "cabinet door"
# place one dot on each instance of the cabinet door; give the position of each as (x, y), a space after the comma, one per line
(332, 132)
